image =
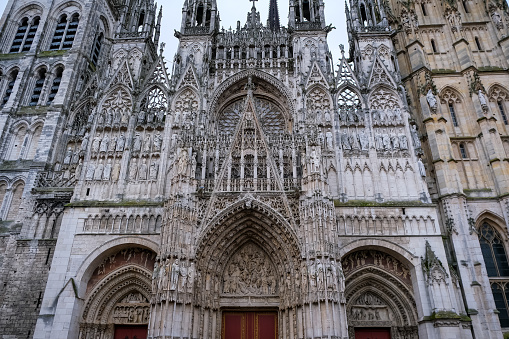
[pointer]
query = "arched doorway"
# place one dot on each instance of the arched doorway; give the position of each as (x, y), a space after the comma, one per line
(379, 296)
(117, 303)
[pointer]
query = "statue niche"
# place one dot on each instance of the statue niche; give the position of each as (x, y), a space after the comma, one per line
(250, 272)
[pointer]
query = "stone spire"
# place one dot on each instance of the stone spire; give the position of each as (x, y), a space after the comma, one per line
(273, 21)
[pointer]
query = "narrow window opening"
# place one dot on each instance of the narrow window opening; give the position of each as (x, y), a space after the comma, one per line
(10, 86)
(59, 33)
(306, 10)
(20, 36)
(199, 14)
(423, 8)
(465, 6)
(502, 112)
(478, 43)
(47, 256)
(31, 35)
(364, 16)
(97, 49)
(453, 114)
(141, 21)
(463, 151)
(70, 34)
(433, 46)
(39, 83)
(56, 84)
(88, 192)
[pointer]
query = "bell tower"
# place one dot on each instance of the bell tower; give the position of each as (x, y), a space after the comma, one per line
(199, 16)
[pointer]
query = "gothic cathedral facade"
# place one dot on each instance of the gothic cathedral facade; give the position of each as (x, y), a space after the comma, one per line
(258, 187)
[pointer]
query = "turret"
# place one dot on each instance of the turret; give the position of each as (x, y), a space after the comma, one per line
(306, 14)
(199, 17)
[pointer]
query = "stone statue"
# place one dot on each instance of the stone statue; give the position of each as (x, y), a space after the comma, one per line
(89, 175)
(387, 141)
(432, 101)
(141, 117)
(99, 171)
(315, 161)
(403, 142)
(345, 141)
(137, 143)
(147, 145)
(120, 143)
(182, 164)
(154, 168)
(75, 158)
(174, 276)
(155, 275)
(157, 142)
(96, 143)
(363, 140)
(422, 169)
(116, 171)
(68, 156)
(104, 144)
(142, 173)
(482, 99)
(107, 170)
(327, 116)
(113, 144)
(379, 144)
(395, 141)
(160, 116)
(84, 142)
(133, 170)
(398, 116)
(328, 136)
(415, 137)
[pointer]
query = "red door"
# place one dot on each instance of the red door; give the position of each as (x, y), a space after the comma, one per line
(249, 325)
(131, 332)
(372, 333)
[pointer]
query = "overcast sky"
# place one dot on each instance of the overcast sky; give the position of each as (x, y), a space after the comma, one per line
(232, 10)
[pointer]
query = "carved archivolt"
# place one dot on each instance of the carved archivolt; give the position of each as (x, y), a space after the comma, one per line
(379, 293)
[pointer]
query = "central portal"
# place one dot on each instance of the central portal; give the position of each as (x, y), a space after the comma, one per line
(249, 325)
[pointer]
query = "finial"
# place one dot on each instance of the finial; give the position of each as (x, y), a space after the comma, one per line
(342, 49)
(161, 47)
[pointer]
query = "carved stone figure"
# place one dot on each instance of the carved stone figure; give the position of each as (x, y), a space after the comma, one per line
(120, 143)
(345, 141)
(116, 171)
(96, 143)
(182, 164)
(104, 144)
(415, 137)
(174, 276)
(154, 168)
(379, 144)
(142, 173)
(395, 141)
(113, 144)
(403, 142)
(99, 171)
(157, 142)
(422, 169)
(147, 144)
(137, 143)
(432, 101)
(483, 100)
(90, 172)
(328, 136)
(107, 170)
(141, 117)
(68, 156)
(84, 142)
(363, 140)
(387, 141)
(133, 170)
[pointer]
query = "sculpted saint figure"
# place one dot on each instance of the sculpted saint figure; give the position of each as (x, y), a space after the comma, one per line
(68, 156)
(104, 144)
(432, 101)
(84, 142)
(107, 170)
(364, 141)
(96, 143)
(395, 141)
(154, 168)
(182, 164)
(142, 173)
(147, 144)
(415, 137)
(379, 144)
(113, 144)
(99, 171)
(328, 136)
(116, 171)
(174, 277)
(422, 169)
(403, 142)
(345, 141)
(482, 99)
(133, 170)
(90, 172)
(137, 143)
(120, 143)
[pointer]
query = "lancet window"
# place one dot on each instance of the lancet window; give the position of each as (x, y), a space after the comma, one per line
(65, 32)
(25, 35)
(55, 85)
(96, 49)
(495, 259)
(39, 83)
(10, 86)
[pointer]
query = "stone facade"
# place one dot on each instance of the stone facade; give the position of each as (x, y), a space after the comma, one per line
(254, 175)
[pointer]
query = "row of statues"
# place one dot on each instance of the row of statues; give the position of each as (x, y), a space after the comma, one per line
(110, 171)
(391, 141)
(105, 143)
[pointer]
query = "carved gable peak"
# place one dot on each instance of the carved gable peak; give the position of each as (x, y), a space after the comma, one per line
(316, 76)
(122, 76)
(158, 74)
(380, 75)
(346, 74)
(189, 78)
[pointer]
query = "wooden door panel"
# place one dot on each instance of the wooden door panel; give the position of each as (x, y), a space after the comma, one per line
(131, 332)
(372, 333)
(249, 325)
